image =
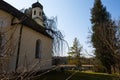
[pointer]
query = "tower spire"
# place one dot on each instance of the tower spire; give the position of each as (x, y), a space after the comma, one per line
(37, 0)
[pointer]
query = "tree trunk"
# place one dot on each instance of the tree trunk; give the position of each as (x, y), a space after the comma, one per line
(109, 71)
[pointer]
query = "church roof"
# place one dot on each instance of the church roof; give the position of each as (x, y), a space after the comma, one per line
(27, 21)
(37, 4)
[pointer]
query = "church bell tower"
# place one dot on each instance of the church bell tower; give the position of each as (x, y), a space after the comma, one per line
(37, 13)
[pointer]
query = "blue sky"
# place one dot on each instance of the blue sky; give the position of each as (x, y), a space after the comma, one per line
(73, 15)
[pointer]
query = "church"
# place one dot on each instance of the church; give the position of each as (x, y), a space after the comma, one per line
(25, 44)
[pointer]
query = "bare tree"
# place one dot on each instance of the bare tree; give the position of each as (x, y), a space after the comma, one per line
(6, 47)
(58, 38)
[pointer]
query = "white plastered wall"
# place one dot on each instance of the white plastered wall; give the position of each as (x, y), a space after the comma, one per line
(27, 60)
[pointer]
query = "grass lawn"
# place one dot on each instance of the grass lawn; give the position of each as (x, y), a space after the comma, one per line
(57, 75)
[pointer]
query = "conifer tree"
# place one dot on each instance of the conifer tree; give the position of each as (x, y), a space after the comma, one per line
(103, 36)
(75, 52)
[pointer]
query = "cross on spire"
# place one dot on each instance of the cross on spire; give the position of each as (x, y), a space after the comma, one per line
(37, 0)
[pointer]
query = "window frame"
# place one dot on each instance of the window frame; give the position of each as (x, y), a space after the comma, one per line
(38, 49)
(40, 13)
(34, 12)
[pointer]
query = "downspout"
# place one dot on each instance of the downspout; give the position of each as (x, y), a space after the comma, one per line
(19, 43)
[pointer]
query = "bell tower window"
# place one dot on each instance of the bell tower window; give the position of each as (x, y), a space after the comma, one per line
(40, 14)
(34, 12)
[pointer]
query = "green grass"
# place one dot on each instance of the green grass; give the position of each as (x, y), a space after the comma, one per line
(57, 75)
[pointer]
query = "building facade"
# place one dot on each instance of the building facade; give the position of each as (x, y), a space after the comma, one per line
(24, 43)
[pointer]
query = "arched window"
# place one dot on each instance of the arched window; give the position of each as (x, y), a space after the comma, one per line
(38, 49)
(40, 14)
(34, 12)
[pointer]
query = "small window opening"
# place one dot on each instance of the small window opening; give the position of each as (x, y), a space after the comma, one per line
(40, 14)
(38, 49)
(34, 12)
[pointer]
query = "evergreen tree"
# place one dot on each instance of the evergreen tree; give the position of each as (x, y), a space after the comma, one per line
(103, 37)
(75, 51)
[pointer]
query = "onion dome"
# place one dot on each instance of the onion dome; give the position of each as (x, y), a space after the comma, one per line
(37, 4)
